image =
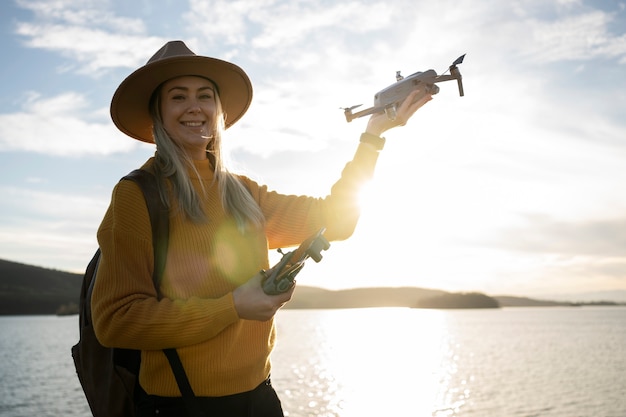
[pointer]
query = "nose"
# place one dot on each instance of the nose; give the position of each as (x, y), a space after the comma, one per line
(194, 109)
(194, 106)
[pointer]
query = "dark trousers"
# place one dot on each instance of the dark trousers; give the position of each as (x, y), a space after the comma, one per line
(260, 402)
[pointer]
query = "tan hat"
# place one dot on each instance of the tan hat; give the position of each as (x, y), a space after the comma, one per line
(130, 104)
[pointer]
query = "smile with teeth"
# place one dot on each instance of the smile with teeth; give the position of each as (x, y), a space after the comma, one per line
(192, 124)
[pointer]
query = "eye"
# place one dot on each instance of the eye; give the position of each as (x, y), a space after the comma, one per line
(178, 97)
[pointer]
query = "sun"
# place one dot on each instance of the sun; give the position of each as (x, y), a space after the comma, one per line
(407, 221)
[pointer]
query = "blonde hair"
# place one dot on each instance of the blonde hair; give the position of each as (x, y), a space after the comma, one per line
(173, 163)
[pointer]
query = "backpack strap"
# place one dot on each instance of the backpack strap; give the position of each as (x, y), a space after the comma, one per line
(159, 222)
(189, 397)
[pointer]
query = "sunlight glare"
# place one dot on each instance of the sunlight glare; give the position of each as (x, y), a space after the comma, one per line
(386, 364)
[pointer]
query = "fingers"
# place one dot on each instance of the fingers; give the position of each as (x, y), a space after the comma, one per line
(380, 122)
(252, 303)
(411, 104)
(272, 303)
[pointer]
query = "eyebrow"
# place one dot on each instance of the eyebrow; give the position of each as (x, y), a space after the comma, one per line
(187, 89)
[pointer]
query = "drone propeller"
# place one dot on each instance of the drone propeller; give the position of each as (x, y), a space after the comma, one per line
(458, 61)
(452, 68)
(350, 108)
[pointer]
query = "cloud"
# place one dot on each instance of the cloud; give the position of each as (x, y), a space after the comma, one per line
(81, 13)
(97, 38)
(222, 22)
(51, 208)
(314, 57)
(540, 130)
(601, 238)
(286, 26)
(92, 50)
(530, 33)
(583, 36)
(62, 125)
(86, 32)
(35, 227)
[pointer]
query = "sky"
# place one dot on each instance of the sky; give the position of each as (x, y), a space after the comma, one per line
(515, 188)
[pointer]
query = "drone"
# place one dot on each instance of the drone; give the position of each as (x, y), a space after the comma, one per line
(389, 99)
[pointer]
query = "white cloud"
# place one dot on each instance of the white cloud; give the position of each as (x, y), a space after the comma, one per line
(60, 125)
(542, 234)
(36, 228)
(319, 49)
(81, 13)
(582, 36)
(531, 136)
(53, 207)
(309, 23)
(88, 33)
(93, 50)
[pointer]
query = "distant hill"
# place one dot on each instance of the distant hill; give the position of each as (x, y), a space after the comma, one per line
(312, 297)
(509, 301)
(617, 296)
(459, 300)
(26, 289)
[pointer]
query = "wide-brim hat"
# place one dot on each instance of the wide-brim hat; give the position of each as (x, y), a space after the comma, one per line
(130, 104)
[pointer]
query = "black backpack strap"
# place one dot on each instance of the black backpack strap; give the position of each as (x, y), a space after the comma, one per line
(159, 221)
(189, 397)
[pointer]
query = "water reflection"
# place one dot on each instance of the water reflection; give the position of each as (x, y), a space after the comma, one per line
(396, 362)
(38, 376)
(557, 362)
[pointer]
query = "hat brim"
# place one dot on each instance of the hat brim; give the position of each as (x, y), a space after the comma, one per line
(130, 104)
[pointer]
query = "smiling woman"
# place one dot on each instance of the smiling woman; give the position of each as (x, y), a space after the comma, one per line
(209, 301)
(188, 109)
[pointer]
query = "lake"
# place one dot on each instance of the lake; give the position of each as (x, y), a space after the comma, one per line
(557, 361)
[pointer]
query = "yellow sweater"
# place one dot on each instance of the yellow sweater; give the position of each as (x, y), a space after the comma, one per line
(221, 353)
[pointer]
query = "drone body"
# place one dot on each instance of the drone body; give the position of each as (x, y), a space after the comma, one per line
(389, 98)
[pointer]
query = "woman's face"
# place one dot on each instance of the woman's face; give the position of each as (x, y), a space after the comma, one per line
(188, 110)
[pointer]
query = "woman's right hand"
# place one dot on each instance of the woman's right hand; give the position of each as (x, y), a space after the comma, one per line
(252, 303)
(379, 122)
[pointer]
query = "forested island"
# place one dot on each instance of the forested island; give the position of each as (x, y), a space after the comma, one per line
(26, 289)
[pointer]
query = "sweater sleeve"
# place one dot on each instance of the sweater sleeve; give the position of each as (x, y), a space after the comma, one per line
(125, 308)
(291, 219)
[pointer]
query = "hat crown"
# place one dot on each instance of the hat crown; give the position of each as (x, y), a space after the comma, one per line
(130, 106)
(170, 50)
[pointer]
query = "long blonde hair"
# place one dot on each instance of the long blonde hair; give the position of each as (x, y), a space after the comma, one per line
(173, 163)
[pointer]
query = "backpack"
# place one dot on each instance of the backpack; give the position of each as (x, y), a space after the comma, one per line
(109, 376)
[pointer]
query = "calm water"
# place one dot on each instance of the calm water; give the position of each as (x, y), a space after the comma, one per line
(566, 362)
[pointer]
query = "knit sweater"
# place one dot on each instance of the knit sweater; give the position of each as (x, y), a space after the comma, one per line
(222, 354)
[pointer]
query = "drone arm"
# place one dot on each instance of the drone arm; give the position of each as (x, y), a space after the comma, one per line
(351, 116)
(459, 79)
(455, 74)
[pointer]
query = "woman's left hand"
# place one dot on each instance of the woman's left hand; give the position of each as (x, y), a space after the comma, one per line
(252, 303)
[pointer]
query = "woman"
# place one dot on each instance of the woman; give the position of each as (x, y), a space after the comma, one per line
(210, 305)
